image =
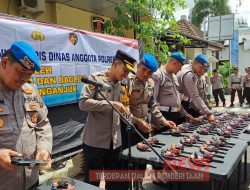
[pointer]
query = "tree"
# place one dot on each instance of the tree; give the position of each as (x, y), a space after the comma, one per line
(149, 20)
(226, 69)
(204, 8)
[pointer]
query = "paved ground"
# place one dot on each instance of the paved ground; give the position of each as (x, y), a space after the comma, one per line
(73, 167)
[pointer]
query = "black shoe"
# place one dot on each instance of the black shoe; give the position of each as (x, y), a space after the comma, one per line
(231, 105)
(241, 105)
(217, 105)
(224, 104)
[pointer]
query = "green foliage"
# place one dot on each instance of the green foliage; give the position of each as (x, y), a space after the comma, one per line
(204, 8)
(226, 69)
(149, 20)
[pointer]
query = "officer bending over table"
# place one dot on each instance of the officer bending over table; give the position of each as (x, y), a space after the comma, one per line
(24, 127)
(102, 132)
(188, 81)
(201, 84)
(166, 92)
(142, 106)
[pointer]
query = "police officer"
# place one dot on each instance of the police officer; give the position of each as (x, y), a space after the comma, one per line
(166, 93)
(24, 127)
(188, 81)
(217, 86)
(102, 133)
(201, 85)
(246, 81)
(236, 84)
(142, 105)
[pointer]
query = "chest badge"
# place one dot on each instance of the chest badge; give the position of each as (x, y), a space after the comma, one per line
(28, 91)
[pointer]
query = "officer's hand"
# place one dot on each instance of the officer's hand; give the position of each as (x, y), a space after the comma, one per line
(209, 106)
(211, 118)
(192, 119)
(121, 108)
(170, 124)
(44, 156)
(143, 126)
(5, 160)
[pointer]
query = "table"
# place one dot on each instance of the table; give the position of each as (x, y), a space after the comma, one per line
(79, 185)
(222, 172)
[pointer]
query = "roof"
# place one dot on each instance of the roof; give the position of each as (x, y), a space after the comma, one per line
(192, 32)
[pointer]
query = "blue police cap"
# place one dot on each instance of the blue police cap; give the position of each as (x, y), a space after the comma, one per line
(180, 57)
(150, 61)
(202, 59)
(25, 55)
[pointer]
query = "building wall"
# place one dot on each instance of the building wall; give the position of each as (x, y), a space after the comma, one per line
(57, 13)
(9, 7)
(244, 55)
(191, 53)
(75, 18)
(244, 59)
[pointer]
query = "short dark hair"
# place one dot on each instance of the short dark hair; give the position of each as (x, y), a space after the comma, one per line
(215, 70)
(9, 54)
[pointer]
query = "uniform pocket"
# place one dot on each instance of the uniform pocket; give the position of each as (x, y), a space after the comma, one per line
(31, 112)
(5, 126)
(137, 93)
(168, 88)
(168, 84)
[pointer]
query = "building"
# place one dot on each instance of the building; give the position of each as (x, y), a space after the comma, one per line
(198, 43)
(73, 13)
(244, 47)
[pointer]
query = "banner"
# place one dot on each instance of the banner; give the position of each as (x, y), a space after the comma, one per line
(66, 54)
(235, 48)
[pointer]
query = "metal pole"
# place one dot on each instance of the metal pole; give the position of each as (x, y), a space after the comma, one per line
(230, 63)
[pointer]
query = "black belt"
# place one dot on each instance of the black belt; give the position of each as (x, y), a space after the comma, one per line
(235, 82)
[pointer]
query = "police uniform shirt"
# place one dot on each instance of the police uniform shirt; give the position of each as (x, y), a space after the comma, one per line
(25, 128)
(165, 92)
(141, 100)
(188, 82)
(103, 123)
(216, 81)
(202, 92)
(236, 81)
(246, 80)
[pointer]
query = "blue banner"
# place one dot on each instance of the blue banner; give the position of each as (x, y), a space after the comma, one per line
(235, 48)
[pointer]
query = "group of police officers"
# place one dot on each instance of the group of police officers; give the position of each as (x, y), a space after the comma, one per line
(152, 98)
(241, 85)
